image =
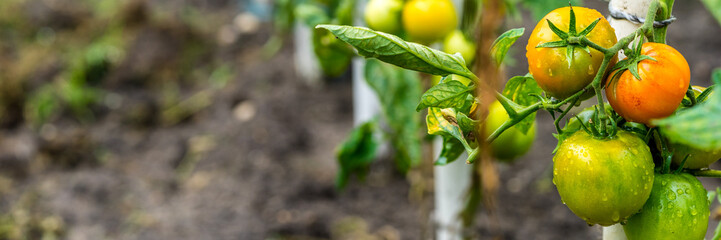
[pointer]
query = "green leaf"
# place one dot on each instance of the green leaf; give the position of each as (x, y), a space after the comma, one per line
(504, 42)
(465, 123)
(333, 55)
(697, 127)
(311, 14)
(356, 153)
(449, 94)
(714, 6)
(398, 91)
(451, 150)
(437, 124)
(519, 90)
(394, 50)
(716, 76)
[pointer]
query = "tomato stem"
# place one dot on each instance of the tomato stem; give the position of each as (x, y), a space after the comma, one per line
(704, 173)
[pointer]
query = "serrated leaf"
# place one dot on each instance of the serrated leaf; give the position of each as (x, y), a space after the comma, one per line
(392, 49)
(519, 90)
(398, 91)
(449, 94)
(697, 127)
(504, 42)
(450, 151)
(437, 124)
(356, 153)
(465, 123)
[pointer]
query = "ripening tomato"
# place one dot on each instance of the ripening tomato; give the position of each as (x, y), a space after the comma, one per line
(660, 90)
(677, 209)
(428, 21)
(456, 42)
(697, 158)
(384, 15)
(550, 66)
(512, 143)
(603, 181)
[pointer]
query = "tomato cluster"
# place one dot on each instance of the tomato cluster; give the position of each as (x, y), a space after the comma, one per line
(618, 176)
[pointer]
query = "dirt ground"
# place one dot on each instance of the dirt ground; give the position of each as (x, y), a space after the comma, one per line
(258, 161)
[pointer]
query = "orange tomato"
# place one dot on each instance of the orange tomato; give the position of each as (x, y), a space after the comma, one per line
(660, 90)
(549, 66)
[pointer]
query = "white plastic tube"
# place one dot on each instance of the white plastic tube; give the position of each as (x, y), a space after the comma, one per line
(306, 64)
(623, 28)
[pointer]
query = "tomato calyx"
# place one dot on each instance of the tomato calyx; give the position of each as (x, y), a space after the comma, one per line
(631, 62)
(571, 39)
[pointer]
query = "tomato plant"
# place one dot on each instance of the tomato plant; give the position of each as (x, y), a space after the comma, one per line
(610, 156)
(676, 209)
(428, 21)
(567, 67)
(654, 85)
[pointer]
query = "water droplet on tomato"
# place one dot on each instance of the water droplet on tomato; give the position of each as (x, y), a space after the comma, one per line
(679, 191)
(590, 70)
(671, 196)
(616, 216)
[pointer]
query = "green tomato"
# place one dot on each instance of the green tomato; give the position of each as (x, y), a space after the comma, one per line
(697, 158)
(512, 143)
(603, 181)
(676, 210)
(456, 42)
(384, 15)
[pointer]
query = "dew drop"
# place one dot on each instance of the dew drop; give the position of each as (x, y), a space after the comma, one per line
(663, 182)
(679, 213)
(550, 72)
(694, 212)
(605, 198)
(590, 70)
(679, 191)
(671, 196)
(687, 191)
(616, 216)
(538, 65)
